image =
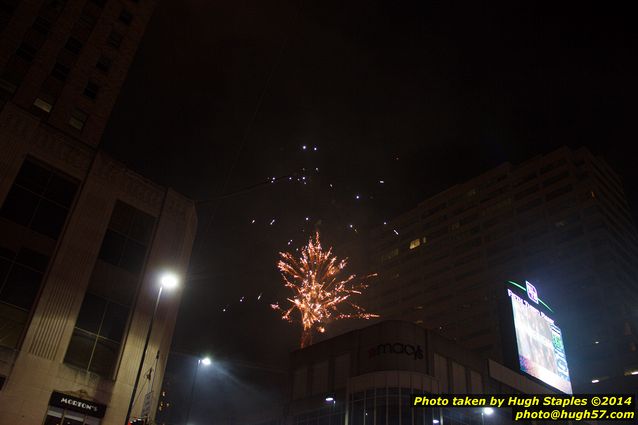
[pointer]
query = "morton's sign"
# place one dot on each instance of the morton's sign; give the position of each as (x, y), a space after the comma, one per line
(69, 402)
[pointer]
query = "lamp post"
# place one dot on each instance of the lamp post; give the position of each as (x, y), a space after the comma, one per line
(331, 399)
(486, 411)
(206, 361)
(168, 281)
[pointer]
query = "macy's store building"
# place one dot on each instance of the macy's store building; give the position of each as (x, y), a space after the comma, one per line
(366, 377)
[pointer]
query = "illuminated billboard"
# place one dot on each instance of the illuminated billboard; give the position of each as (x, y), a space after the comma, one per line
(541, 352)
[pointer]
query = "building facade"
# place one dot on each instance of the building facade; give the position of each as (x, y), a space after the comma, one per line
(366, 377)
(83, 239)
(560, 221)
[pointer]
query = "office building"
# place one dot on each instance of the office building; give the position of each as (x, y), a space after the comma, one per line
(83, 239)
(559, 221)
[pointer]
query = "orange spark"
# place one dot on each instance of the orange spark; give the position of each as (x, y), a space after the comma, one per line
(318, 290)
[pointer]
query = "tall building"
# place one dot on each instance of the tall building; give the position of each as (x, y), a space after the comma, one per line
(64, 61)
(559, 221)
(83, 239)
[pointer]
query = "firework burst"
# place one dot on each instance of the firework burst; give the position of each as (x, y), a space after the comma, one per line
(318, 290)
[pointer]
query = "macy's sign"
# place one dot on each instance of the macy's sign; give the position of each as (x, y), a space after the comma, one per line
(397, 348)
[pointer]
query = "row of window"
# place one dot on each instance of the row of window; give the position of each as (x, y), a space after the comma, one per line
(608, 175)
(453, 227)
(504, 246)
(378, 407)
(58, 416)
(469, 195)
(35, 38)
(386, 406)
(53, 86)
(619, 209)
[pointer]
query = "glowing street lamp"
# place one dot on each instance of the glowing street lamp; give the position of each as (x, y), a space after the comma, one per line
(169, 281)
(486, 411)
(330, 399)
(206, 361)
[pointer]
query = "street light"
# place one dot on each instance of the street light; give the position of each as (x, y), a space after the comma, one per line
(168, 281)
(486, 411)
(330, 399)
(206, 361)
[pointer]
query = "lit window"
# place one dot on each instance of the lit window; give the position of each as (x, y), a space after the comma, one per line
(415, 243)
(424, 240)
(78, 119)
(43, 105)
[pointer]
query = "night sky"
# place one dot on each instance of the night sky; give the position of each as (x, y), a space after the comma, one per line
(419, 95)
